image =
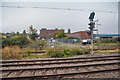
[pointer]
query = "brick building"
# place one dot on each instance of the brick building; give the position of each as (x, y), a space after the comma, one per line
(81, 34)
(48, 34)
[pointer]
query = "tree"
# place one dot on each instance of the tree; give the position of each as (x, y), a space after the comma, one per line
(18, 33)
(60, 35)
(32, 33)
(69, 31)
(24, 32)
(32, 30)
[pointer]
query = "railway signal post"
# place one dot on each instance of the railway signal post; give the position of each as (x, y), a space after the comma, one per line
(92, 26)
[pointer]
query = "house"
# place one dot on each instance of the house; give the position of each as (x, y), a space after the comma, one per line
(80, 34)
(48, 34)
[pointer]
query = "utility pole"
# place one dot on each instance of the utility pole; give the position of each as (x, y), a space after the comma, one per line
(92, 26)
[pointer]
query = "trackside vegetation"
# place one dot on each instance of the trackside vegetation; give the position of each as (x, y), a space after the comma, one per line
(17, 41)
(59, 53)
(22, 46)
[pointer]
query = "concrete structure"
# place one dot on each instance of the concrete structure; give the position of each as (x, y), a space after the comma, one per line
(81, 35)
(48, 34)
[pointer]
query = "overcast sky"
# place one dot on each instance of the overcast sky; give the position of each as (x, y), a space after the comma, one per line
(19, 19)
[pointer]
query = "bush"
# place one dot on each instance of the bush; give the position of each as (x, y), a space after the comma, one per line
(41, 43)
(19, 41)
(78, 51)
(54, 53)
(105, 41)
(33, 36)
(75, 51)
(58, 53)
(26, 54)
(66, 52)
(113, 40)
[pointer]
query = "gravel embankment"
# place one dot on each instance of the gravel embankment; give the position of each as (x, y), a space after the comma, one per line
(62, 70)
(101, 75)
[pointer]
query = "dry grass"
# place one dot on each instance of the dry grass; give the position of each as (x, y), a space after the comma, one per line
(108, 51)
(15, 52)
(11, 52)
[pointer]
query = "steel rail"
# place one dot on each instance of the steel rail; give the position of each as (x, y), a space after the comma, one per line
(56, 75)
(57, 59)
(50, 63)
(59, 67)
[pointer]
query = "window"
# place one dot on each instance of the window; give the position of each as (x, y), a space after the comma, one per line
(78, 34)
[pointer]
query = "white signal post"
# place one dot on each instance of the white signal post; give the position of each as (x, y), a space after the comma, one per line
(92, 41)
(92, 26)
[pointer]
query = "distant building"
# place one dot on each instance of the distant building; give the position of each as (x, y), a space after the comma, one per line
(106, 36)
(49, 34)
(81, 35)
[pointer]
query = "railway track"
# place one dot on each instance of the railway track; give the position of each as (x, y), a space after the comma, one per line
(59, 69)
(54, 77)
(58, 59)
(58, 63)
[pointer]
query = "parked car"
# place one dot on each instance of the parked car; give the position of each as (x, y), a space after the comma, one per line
(86, 41)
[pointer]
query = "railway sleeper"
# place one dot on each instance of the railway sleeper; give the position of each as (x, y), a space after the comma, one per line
(57, 63)
(60, 76)
(48, 60)
(62, 70)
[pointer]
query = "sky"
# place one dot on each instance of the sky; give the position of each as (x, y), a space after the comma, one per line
(19, 19)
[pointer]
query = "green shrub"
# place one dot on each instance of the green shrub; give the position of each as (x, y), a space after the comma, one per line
(113, 40)
(54, 53)
(19, 41)
(78, 51)
(85, 51)
(75, 51)
(26, 54)
(66, 53)
(49, 51)
(58, 53)
(35, 56)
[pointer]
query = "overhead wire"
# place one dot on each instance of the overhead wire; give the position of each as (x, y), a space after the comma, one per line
(59, 9)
